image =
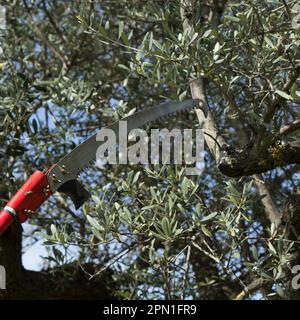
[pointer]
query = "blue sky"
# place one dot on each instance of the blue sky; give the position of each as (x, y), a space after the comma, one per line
(32, 255)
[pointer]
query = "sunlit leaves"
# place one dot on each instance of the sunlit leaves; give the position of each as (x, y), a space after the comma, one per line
(141, 221)
(283, 94)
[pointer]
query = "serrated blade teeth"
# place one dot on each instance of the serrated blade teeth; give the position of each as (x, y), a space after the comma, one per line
(78, 160)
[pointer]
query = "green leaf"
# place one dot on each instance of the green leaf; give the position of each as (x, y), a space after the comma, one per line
(126, 216)
(53, 230)
(209, 217)
(165, 224)
(150, 41)
(279, 291)
(158, 45)
(217, 48)
(136, 177)
(295, 94)
(122, 66)
(121, 28)
(96, 199)
(232, 18)
(254, 252)
(117, 206)
(272, 249)
(182, 95)
(149, 207)
(179, 206)
(125, 38)
(269, 42)
(194, 37)
(206, 231)
(58, 255)
(94, 223)
(207, 33)
(185, 186)
(198, 209)
(157, 235)
(97, 234)
(154, 195)
(216, 51)
(247, 188)
(283, 94)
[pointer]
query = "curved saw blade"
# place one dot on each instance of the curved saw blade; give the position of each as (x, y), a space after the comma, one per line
(68, 168)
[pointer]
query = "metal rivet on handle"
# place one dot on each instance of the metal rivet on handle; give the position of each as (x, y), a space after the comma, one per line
(63, 169)
(46, 190)
(28, 211)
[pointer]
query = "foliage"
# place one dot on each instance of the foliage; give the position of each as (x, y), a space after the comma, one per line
(69, 69)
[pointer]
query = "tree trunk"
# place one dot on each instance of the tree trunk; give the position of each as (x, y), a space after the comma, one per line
(68, 282)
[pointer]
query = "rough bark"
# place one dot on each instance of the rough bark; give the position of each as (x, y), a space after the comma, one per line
(271, 209)
(256, 159)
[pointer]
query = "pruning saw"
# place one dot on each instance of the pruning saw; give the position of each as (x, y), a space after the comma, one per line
(62, 176)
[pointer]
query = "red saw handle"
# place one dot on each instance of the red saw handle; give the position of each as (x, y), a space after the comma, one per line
(34, 192)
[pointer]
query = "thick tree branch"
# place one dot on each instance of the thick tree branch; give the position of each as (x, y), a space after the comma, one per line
(271, 209)
(255, 160)
(47, 284)
(213, 138)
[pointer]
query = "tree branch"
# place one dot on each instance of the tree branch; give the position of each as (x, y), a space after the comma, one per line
(271, 209)
(289, 128)
(254, 285)
(247, 162)
(54, 24)
(213, 138)
(63, 58)
(276, 103)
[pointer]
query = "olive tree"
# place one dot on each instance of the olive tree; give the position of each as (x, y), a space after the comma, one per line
(70, 68)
